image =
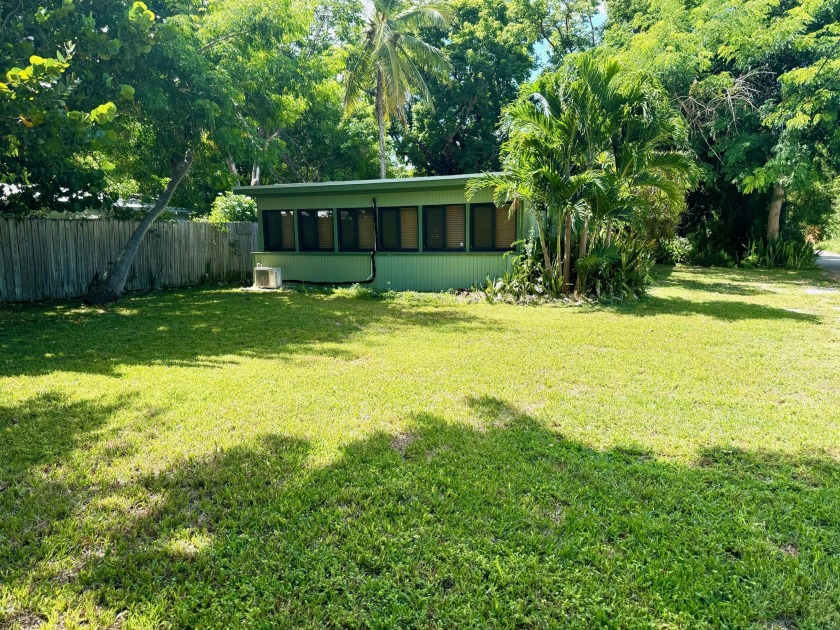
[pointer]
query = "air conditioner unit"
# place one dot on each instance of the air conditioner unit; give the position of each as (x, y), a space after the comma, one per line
(267, 278)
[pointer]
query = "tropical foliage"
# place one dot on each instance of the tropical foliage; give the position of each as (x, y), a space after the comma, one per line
(592, 149)
(389, 58)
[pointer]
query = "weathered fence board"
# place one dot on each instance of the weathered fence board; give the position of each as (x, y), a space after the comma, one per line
(51, 259)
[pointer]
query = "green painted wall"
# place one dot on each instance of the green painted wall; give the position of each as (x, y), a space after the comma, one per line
(400, 272)
(418, 271)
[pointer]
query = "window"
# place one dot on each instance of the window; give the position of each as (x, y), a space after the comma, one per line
(315, 230)
(492, 228)
(398, 229)
(444, 228)
(355, 230)
(278, 230)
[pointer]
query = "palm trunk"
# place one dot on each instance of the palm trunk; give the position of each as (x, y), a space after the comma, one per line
(775, 213)
(567, 255)
(544, 246)
(110, 288)
(584, 239)
(583, 251)
(608, 240)
(380, 118)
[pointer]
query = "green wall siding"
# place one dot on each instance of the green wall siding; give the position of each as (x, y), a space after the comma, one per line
(420, 271)
(400, 272)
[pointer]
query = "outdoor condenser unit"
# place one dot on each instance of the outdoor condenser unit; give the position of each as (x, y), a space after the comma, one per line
(267, 278)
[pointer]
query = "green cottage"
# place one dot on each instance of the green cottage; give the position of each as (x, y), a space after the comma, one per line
(417, 233)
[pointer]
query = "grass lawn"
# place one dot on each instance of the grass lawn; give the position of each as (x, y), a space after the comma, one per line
(217, 458)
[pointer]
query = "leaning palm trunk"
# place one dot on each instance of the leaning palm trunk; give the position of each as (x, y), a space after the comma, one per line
(567, 254)
(775, 213)
(110, 288)
(380, 118)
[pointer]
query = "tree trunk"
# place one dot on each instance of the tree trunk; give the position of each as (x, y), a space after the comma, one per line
(255, 175)
(232, 168)
(583, 251)
(110, 288)
(567, 255)
(775, 213)
(584, 239)
(544, 246)
(380, 118)
(608, 241)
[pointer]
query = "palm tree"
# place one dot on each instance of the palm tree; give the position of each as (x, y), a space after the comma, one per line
(390, 59)
(587, 147)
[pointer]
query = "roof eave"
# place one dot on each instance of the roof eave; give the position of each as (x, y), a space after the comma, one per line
(446, 182)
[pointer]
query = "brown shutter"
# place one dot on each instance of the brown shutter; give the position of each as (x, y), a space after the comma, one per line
(505, 228)
(325, 230)
(408, 228)
(287, 224)
(456, 231)
(366, 233)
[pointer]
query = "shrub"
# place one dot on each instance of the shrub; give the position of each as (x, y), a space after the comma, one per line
(616, 272)
(229, 208)
(780, 254)
(675, 251)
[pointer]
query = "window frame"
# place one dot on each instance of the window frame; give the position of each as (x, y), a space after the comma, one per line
(442, 207)
(299, 224)
(356, 224)
(495, 247)
(398, 211)
(281, 235)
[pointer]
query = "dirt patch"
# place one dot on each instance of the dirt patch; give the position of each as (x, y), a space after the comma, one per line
(402, 441)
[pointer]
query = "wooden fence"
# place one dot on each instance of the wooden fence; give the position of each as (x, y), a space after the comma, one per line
(48, 259)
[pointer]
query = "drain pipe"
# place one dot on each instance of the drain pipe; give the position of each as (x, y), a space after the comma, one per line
(372, 275)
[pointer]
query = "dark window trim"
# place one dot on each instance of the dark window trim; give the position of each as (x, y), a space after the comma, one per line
(299, 226)
(495, 247)
(399, 248)
(280, 224)
(443, 207)
(356, 247)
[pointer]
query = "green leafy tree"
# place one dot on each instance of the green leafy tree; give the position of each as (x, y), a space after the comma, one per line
(564, 26)
(390, 57)
(758, 82)
(491, 56)
(66, 70)
(189, 106)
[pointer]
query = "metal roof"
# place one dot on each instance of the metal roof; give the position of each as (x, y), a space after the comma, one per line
(441, 182)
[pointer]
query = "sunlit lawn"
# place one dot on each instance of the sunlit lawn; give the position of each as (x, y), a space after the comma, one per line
(217, 458)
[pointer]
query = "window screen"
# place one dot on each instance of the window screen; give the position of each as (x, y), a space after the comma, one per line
(398, 229)
(355, 230)
(445, 228)
(278, 230)
(492, 228)
(315, 230)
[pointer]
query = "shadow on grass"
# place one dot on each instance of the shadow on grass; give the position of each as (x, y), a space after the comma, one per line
(36, 436)
(502, 524)
(197, 327)
(727, 310)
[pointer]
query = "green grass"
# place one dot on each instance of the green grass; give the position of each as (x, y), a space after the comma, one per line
(217, 458)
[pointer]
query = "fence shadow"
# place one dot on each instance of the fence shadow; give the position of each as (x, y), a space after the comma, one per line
(504, 523)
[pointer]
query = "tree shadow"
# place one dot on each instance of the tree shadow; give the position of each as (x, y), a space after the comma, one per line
(727, 310)
(201, 328)
(38, 434)
(499, 523)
